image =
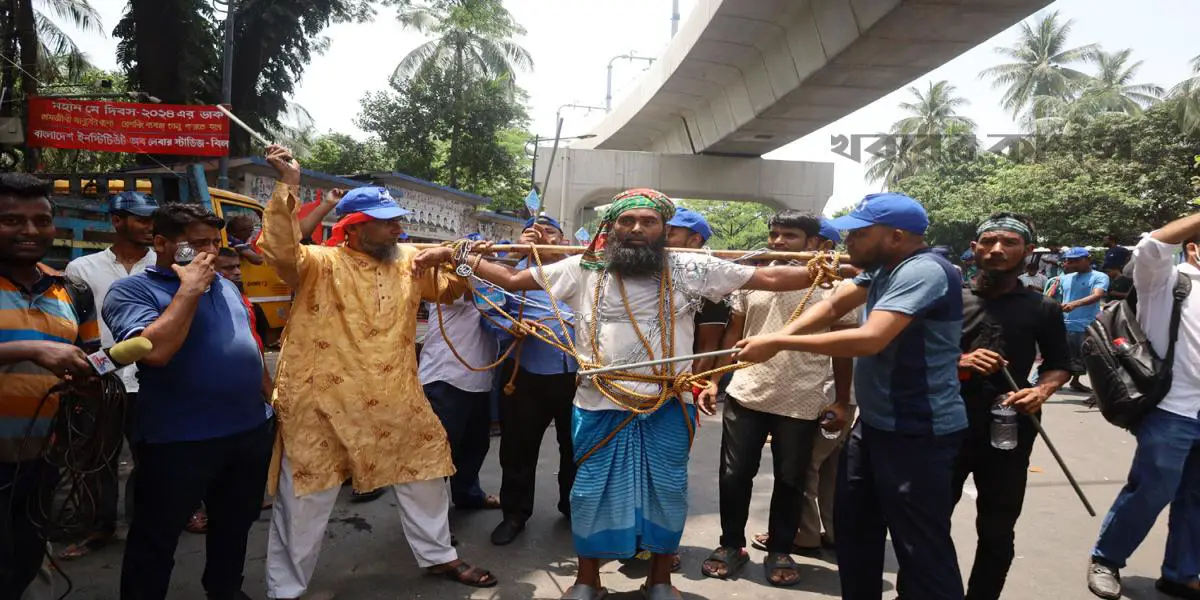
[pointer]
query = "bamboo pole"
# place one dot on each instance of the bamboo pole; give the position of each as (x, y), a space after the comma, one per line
(726, 254)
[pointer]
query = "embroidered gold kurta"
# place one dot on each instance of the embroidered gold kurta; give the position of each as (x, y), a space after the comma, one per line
(346, 392)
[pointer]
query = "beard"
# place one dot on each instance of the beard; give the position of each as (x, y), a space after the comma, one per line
(998, 278)
(382, 252)
(635, 261)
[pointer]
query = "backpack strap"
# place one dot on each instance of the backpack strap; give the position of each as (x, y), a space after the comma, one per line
(1183, 287)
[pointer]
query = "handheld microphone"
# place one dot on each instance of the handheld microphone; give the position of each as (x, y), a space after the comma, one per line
(120, 355)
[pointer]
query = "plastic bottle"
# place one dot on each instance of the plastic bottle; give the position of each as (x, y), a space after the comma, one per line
(1004, 426)
(827, 434)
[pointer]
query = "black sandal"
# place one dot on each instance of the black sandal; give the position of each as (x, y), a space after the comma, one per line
(732, 558)
(778, 562)
(459, 574)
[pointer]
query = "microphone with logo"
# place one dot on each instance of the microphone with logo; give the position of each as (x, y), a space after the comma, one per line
(120, 355)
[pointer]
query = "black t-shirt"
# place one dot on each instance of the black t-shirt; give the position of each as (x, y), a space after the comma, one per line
(1016, 325)
(1120, 288)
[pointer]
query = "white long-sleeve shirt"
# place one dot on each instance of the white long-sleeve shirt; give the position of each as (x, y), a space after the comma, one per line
(1154, 276)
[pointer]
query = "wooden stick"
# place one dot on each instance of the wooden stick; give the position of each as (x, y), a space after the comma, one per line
(240, 123)
(726, 254)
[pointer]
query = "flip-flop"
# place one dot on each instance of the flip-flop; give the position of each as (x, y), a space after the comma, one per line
(458, 574)
(87, 546)
(733, 559)
(661, 591)
(778, 561)
(580, 591)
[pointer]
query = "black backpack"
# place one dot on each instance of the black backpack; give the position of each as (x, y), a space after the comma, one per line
(1128, 378)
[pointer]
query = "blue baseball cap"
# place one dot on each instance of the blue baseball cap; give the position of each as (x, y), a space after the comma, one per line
(475, 237)
(543, 220)
(829, 232)
(889, 208)
(967, 255)
(375, 202)
(690, 219)
(1076, 252)
(134, 203)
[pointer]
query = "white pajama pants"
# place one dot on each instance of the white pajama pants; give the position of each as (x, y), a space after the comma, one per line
(298, 529)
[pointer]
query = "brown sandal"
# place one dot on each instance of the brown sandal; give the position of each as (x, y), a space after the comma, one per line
(464, 574)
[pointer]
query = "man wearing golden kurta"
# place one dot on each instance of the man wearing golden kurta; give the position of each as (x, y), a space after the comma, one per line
(346, 395)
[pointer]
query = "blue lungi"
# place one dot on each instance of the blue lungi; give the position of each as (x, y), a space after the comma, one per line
(632, 492)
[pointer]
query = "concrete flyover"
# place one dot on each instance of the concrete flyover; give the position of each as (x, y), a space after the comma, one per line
(745, 77)
(581, 179)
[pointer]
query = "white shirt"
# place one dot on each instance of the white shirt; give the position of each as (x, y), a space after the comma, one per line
(99, 271)
(1154, 277)
(694, 277)
(474, 345)
(1037, 281)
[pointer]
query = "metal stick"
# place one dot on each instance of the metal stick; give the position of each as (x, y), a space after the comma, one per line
(1045, 438)
(240, 123)
(660, 361)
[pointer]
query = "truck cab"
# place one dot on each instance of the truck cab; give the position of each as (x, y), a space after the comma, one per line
(84, 227)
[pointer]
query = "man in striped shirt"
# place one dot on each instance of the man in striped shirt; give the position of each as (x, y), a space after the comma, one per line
(44, 322)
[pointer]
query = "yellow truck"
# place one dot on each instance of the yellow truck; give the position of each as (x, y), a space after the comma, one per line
(84, 227)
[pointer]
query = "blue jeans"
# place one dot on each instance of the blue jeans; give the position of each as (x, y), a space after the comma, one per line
(1166, 470)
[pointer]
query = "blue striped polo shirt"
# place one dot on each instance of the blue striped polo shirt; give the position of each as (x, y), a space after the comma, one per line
(912, 385)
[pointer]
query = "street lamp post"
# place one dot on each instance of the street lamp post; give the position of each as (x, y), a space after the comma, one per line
(630, 57)
(226, 82)
(674, 17)
(536, 141)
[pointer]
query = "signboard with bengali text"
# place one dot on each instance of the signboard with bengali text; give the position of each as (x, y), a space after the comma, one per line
(128, 127)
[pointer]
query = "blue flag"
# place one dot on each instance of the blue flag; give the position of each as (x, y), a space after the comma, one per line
(532, 203)
(582, 235)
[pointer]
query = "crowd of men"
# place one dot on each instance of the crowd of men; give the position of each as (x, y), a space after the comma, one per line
(922, 358)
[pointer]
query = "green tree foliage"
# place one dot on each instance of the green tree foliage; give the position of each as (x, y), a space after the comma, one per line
(1041, 65)
(340, 154)
(1118, 171)
(735, 225)
(933, 133)
(172, 50)
(1187, 111)
(57, 160)
(420, 119)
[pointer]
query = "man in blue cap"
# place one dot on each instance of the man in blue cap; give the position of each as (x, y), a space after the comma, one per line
(1082, 290)
(900, 456)
(347, 396)
(689, 229)
(132, 217)
(539, 386)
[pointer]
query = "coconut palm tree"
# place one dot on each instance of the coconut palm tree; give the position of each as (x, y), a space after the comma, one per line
(58, 55)
(1112, 88)
(1040, 64)
(1187, 96)
(933, 111)
(933, 131)
(470, 37)
(897, 160)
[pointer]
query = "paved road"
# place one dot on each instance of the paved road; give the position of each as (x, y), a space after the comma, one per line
(366, 557)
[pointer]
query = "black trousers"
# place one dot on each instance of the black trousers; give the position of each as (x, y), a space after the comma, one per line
(22, 546)
(229, 475)
(1000, 477)
(466, 417)
(524, 416)
(897, 483)
(743, 435)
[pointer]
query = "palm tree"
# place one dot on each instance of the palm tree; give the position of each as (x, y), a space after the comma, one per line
(469, 37)
(1112, 87)
(933, 111)
(472, 41)
(58, 55)
(1187, 96)
(1040, 64)
(933, 132)
(897, 161)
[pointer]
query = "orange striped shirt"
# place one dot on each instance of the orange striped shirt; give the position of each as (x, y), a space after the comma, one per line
(45, 313)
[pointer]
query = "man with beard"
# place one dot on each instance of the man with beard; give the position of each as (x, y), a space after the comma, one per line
(346, 393)
(631, 438)
(132, 217)
(898, 464)
(1004, 325)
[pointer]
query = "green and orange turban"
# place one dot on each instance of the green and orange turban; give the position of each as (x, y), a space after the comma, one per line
(593, 257)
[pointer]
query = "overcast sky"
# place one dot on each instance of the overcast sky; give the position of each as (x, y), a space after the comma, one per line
(572, 41)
